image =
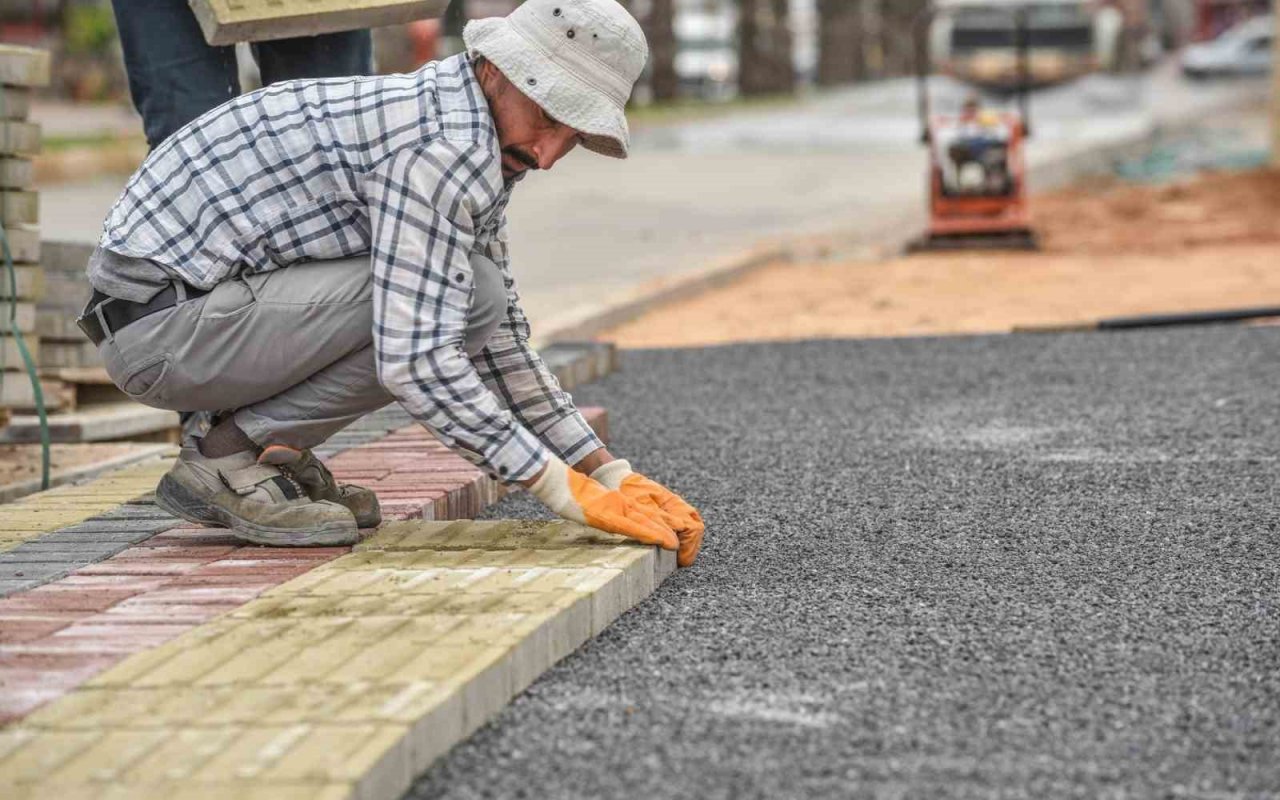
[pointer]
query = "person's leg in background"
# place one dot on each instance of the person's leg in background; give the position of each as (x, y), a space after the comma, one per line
(174, 75)
(330, 55)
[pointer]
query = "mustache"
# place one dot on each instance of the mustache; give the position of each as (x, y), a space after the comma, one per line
(522, 156)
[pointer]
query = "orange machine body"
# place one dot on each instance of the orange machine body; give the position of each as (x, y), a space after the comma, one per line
(954, 213)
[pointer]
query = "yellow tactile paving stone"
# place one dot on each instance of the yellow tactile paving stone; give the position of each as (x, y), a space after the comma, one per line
(40, 513)
(347, 681)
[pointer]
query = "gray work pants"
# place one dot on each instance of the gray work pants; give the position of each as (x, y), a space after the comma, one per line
(289, 351)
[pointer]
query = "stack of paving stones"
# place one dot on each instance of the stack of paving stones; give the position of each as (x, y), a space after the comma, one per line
(22, 69)
(90, 574)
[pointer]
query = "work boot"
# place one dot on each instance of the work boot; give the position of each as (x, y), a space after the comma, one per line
(258, 502)
(315, 477)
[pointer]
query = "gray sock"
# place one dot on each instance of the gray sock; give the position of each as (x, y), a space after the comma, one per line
(226, 439)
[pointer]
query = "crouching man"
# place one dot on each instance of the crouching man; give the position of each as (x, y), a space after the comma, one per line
(307, 253)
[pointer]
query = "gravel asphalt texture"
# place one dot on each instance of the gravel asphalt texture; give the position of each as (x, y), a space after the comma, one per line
(1015, 566)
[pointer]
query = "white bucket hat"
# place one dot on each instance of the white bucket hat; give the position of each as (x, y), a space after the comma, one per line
(577, 59)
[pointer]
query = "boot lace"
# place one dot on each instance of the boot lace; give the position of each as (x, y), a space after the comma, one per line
(293, 479)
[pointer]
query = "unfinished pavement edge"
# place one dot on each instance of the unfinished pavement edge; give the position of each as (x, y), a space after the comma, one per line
(347, 681)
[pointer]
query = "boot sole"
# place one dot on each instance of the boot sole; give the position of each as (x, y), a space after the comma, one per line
(180, 501)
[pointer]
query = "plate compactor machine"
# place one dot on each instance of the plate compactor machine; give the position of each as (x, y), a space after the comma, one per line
(977, 162)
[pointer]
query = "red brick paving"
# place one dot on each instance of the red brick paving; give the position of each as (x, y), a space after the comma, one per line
(55, 637)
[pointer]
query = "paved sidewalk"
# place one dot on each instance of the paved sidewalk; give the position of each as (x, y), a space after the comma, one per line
(346, 681)
(188, 664)
(135, 567)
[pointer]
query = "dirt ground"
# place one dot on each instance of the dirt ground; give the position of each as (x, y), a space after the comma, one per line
(1110, 249)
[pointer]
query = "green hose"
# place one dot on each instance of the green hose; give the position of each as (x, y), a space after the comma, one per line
(27, 360)
(30, 363)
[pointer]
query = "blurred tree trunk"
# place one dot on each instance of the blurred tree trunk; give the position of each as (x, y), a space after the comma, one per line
(897, 26)
(765, 63)
(660, 29)
(840, 57)
(658, 20)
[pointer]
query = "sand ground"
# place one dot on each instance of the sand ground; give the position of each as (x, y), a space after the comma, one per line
(1110, 249)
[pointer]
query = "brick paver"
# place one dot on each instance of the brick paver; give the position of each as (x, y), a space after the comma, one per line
(41, 513)
(147, 587)
(346, 681)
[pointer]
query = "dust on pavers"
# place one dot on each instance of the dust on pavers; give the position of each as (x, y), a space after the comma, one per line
(415, 476)
(50, 556)
(908, 591)
(35, 515)
(344, 682)
(135, 569)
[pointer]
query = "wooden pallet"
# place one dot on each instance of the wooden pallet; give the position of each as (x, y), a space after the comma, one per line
(100, 423)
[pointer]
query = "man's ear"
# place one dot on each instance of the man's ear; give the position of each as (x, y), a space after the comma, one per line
(489, 76)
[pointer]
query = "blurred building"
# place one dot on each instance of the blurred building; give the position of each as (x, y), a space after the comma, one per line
(81, 35)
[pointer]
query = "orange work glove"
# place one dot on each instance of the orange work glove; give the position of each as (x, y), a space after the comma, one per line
(578, 498)
(660, 502)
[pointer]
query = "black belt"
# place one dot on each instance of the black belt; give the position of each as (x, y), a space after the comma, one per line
(118, 313)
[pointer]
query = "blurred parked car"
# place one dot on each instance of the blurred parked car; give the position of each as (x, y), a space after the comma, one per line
(1243, 50)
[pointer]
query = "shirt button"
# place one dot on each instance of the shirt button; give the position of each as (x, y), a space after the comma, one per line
(503, 471)
(459, 277)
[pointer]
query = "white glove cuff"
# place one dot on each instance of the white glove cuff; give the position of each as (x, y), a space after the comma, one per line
(611, 475)
(552, 488)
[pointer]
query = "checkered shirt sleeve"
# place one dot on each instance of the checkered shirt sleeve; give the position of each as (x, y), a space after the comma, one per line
(512, 370)
(427, 204)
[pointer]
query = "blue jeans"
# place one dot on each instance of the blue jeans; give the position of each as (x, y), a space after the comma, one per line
(175, 76)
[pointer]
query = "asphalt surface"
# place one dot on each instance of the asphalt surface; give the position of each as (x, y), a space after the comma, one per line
(1022, 566)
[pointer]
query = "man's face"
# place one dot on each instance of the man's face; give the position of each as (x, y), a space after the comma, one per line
(528, 137)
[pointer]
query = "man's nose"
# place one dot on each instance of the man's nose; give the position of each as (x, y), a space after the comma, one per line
(556, 147)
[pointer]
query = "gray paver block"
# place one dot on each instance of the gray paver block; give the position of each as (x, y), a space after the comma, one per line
(19, 138)
(23, 66)
(11, 585)
(86, 552)
(128, 535)
(16, 173)
(15, 102)
(41, 572)
(24, 244)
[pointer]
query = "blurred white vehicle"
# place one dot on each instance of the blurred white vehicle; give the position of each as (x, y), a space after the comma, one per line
(1243, 50)
(976, 40)
(707, 54)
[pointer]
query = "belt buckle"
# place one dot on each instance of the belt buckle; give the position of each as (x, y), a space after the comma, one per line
(84, 327)
(93, 312)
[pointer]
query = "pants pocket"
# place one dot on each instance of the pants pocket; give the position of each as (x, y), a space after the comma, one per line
(228, 299)
(143, 381)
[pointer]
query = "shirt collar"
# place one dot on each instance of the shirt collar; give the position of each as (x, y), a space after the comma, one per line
(465, 104)
(462, 101)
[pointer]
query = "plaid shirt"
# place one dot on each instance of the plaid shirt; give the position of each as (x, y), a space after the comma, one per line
(404, 167)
